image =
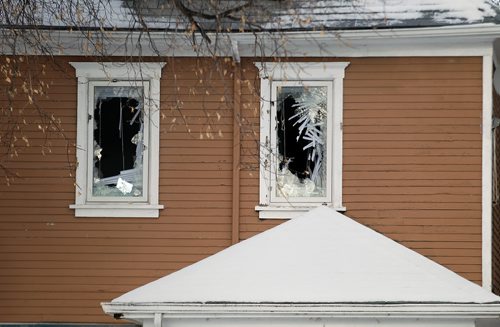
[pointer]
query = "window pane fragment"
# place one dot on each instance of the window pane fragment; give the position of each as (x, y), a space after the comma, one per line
(118, 141)
(301, 140)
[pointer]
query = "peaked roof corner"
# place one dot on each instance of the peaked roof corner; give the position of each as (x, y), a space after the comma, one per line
(320, 257)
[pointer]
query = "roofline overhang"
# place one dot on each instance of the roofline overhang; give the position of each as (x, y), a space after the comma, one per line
(474, 30)
(470, 39)
(229, 310)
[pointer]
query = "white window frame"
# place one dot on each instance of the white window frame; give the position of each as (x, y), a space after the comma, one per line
(95, 74)
(273, 74)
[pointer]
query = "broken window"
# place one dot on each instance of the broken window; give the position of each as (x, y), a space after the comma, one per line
(301, 140)
(118, 141)
(300, 137)
(118, 135)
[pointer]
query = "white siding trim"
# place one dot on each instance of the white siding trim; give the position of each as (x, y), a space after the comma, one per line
(81, 139)
(265, 131)
(487, 158)
(442, 312)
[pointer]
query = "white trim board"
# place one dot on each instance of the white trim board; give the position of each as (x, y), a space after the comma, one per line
(435, 41)
(310, 310)
(487, 166)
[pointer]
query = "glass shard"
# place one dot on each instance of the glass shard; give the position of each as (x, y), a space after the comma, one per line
(301, 140)
(118, 141)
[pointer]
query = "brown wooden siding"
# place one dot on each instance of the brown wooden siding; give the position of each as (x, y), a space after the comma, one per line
(412, 155)
(412, 170)
(55, 267)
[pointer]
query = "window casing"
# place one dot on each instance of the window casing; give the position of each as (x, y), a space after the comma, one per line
(301, 137)
(117, 140)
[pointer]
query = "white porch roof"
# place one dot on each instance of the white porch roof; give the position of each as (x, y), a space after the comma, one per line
(322, 257)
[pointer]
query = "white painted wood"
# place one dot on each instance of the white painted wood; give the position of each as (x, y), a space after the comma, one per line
(158, 319)
(338, 113)
(487, 166)
(289, 212)
(113, 210)
(146, 322)
(129, 71)
(154, 140)
(272, 75)
(147, 74)
(458, 40)
(272, 312)
(81, 140)
(265, 147)
(320, 322)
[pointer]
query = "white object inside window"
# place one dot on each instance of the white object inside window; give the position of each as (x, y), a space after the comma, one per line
(301, 137)
(117, 139)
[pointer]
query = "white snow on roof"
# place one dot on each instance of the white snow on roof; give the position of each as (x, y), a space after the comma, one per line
(468, 9)
(267, 14)
(391, 12)
(321, 257)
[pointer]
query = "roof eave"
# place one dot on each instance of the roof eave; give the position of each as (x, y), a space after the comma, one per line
(304, 310)
(370, 42)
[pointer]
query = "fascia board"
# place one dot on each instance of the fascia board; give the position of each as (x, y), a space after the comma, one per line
(229, 310)
(478, 30)
(406, 41)
(118, 70)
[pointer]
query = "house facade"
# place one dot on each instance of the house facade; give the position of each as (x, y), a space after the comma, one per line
(165, 160)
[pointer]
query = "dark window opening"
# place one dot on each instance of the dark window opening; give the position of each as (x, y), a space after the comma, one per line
(290, 143)
(116, 124)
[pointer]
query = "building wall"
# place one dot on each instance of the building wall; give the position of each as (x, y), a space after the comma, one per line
(412, 170)
(412, 155)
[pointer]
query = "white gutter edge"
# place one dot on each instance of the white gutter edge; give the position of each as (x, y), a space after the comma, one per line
(426, 41)
(376, 33)
(479, 30)
(457, 30)
(190, 310)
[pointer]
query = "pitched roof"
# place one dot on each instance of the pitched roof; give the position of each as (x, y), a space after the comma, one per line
(321, 257)
(261, 15)
(329, 14)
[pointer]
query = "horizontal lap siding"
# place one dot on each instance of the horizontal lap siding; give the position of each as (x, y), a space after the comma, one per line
(58, 268)
(412, 155)
(412, 170)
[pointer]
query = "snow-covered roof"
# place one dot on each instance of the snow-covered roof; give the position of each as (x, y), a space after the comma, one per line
(335, 14)
(261, 15)
(320, 257)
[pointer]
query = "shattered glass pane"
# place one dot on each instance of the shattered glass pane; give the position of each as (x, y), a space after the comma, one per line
(118, 141)
(301, 140)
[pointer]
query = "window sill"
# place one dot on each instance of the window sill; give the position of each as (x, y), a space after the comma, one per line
(117, 210)
(287, 212)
